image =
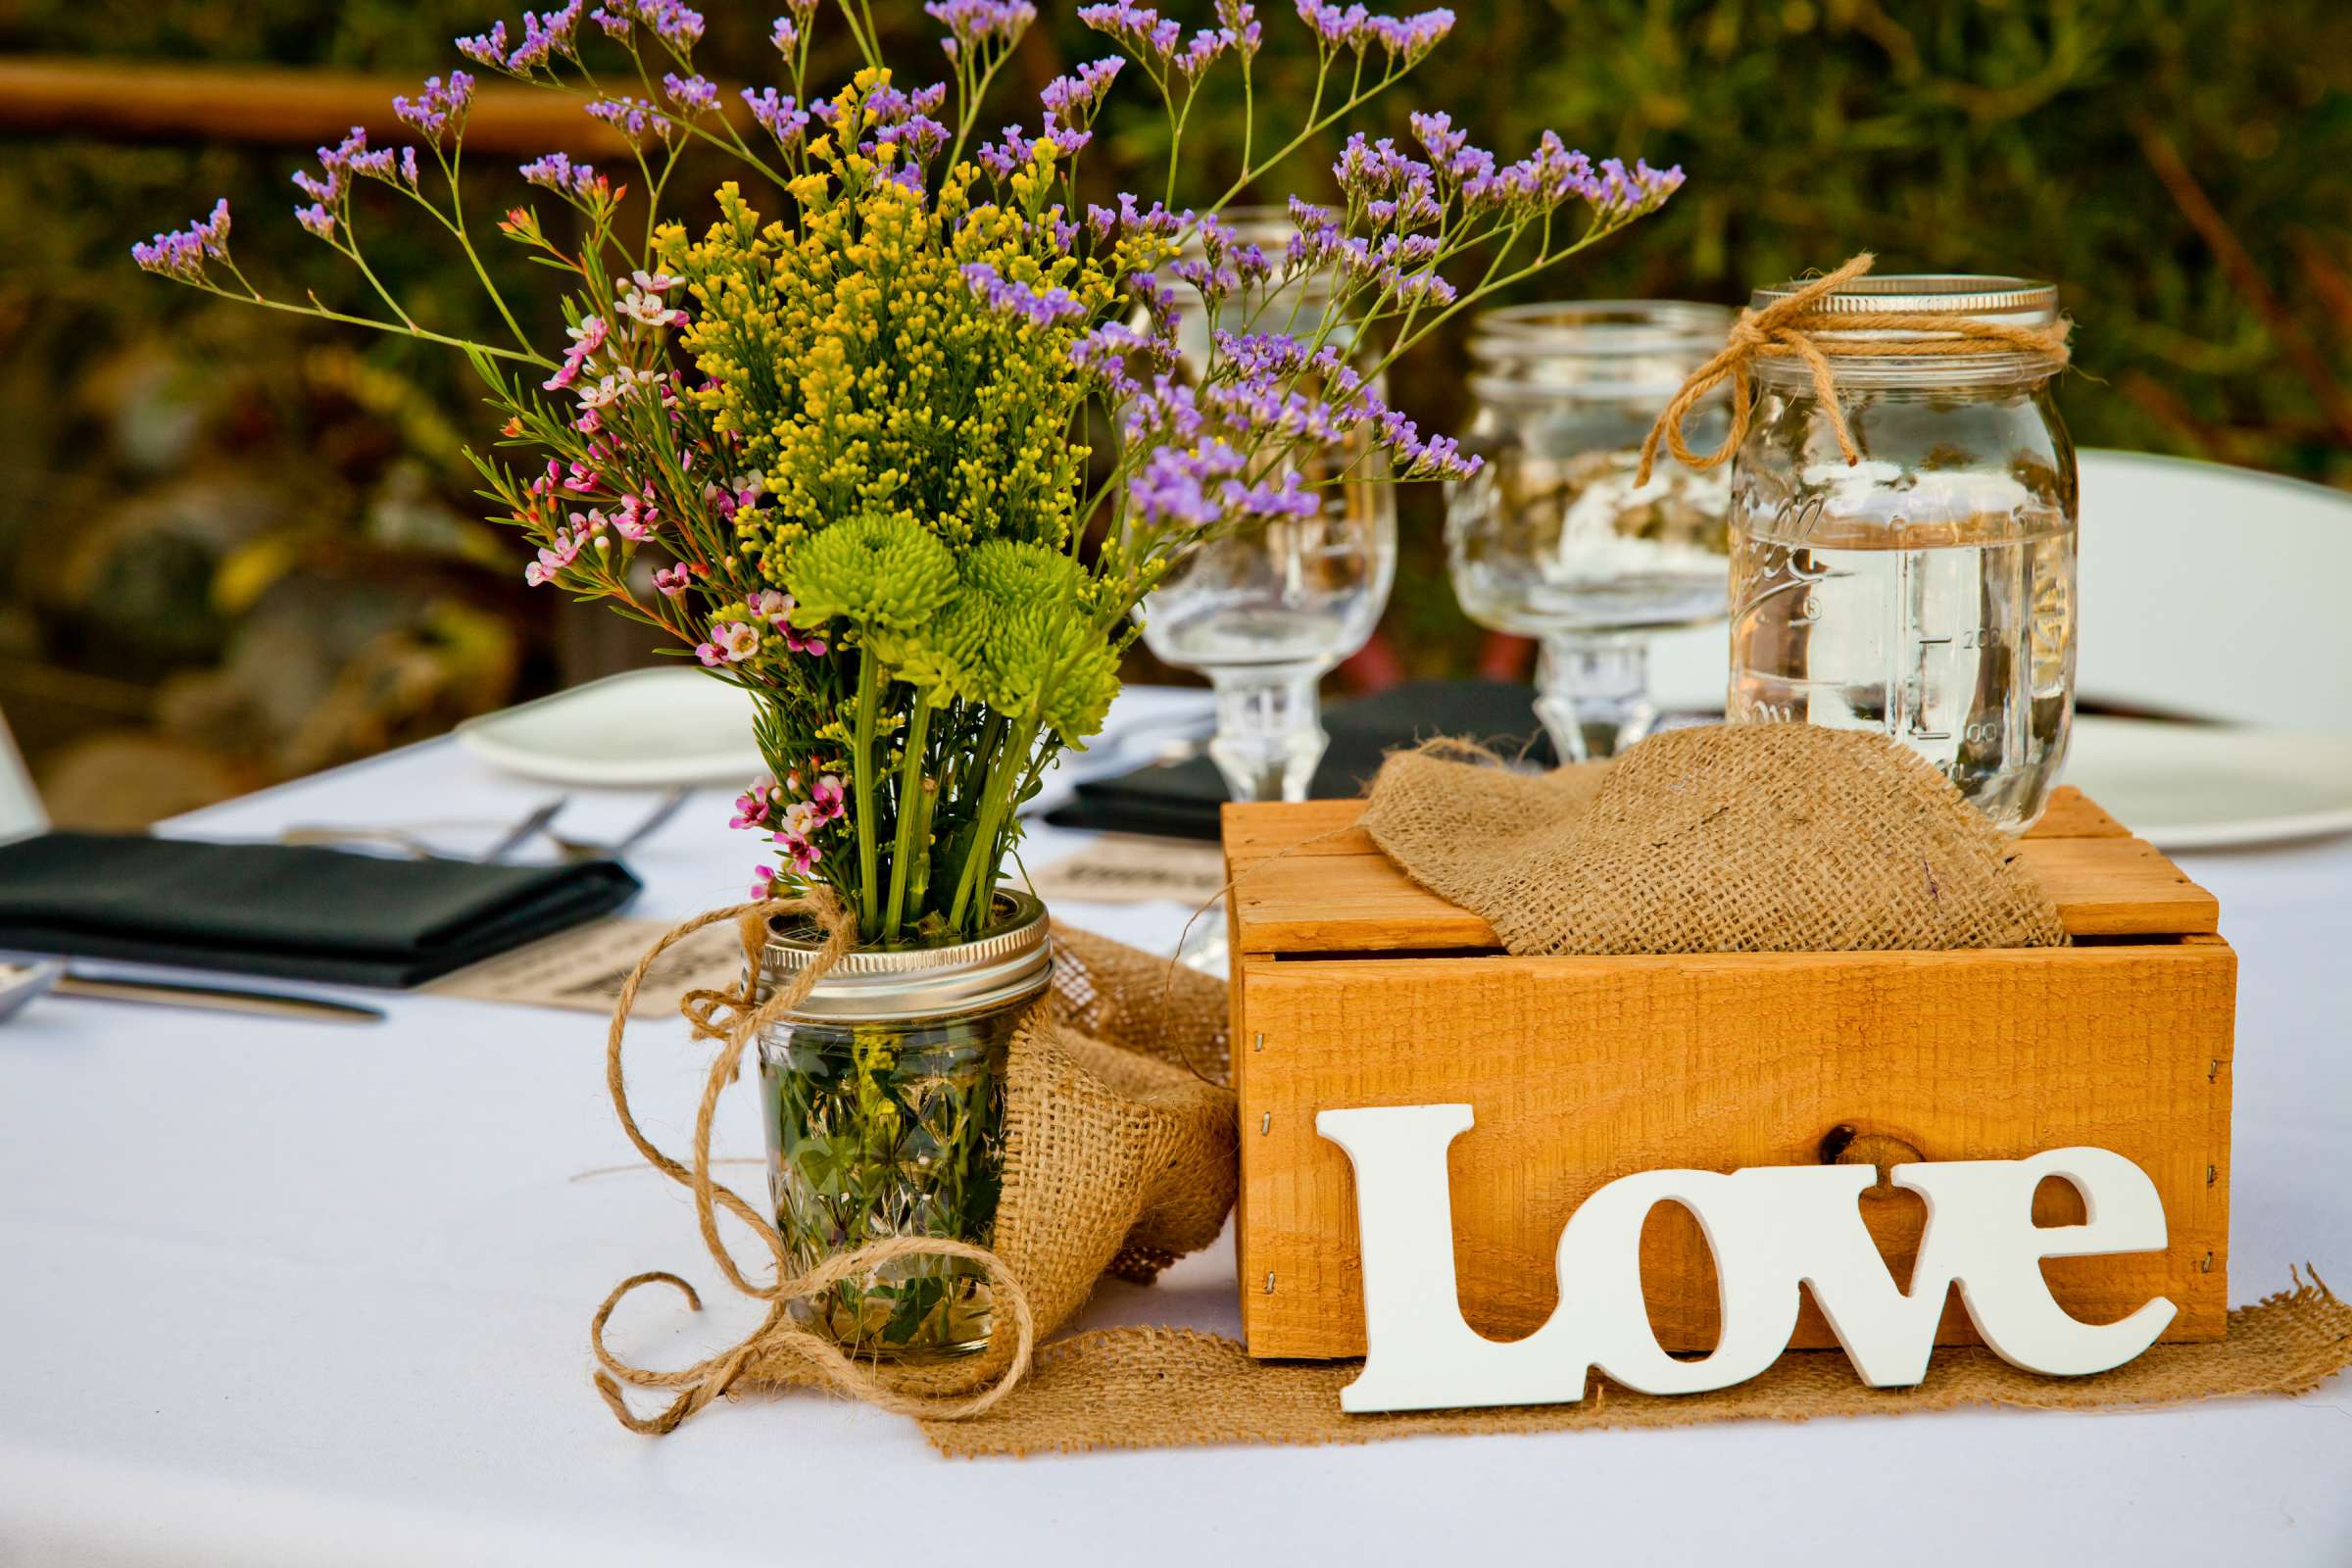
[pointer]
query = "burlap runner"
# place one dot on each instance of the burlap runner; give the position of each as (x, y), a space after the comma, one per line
(1121, 1151)
(1732, 838)
(1170, 1388)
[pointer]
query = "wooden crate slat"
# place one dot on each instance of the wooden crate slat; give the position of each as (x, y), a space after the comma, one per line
(1335, 892)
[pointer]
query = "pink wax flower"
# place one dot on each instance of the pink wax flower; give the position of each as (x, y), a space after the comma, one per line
(763, 881)
(754, 807)
(648, 309)
(731, 643)
(802, 854)
(829, 797)
(673, 580)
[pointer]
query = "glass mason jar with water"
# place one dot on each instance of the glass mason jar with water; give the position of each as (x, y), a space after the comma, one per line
(1927, 590)
(1554, 539)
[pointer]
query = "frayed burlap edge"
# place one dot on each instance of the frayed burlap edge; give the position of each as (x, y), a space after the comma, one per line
(1138, 1387)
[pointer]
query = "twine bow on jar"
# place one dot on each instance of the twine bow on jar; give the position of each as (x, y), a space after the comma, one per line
(734, 1020)
(1787, 328)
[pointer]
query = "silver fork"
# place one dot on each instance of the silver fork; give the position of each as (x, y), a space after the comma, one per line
(582, 850)
(412, 842)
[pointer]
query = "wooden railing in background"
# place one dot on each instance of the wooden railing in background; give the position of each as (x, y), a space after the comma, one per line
(271, 106)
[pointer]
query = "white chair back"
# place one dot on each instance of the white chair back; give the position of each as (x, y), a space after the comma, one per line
(2207, 592)
(2215, 592)
(21, 814)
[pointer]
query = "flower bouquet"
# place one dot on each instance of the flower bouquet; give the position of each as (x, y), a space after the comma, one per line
(830, 441)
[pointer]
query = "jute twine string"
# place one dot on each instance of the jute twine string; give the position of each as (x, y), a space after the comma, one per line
(778, 1336)
(1786, 328)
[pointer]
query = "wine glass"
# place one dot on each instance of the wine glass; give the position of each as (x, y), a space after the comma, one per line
(1265, 610)
(1552, 539)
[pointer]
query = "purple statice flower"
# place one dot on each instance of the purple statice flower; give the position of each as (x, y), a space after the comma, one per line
(617, 22)
(634, 119)
(1411, 38)
(918, 134)
(1227, 261)
(1370, 169)
(1071, 102)
(330, 187)
(1102, 221)
(1002, 158)
(1139, 27)
(1240, 19)
(678, 27)
(779, 115)
(1100, 357)
(182, 253)
(970, 24)
(1199, 52)
(1408, 39)
(1166, 412)
(439, 111)
(1438, 458)
(1628, 194)
(786, 36)
(545, 38)
(556, 171)
(694, 95)
(317, 220)
(1047, 309)
(1200, 487)
(397, 170)
(487, 49)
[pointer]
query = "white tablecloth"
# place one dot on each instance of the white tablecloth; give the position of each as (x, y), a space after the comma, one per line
(282, 1292)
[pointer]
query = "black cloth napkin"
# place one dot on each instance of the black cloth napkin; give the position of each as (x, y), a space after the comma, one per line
(295, 913)
(1179, 800)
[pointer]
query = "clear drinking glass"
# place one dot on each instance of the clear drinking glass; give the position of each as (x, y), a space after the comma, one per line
(1928, 591)
(1552, 539)
(1267, 610)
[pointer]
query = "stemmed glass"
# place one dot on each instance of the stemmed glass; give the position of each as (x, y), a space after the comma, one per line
(1553, 540)
(1265, 610)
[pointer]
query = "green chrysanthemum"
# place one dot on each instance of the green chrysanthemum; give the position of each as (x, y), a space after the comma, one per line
(878, 571)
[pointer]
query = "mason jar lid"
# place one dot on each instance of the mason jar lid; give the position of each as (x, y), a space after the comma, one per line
(898, 984)
(2015, 301)
(1593, 348)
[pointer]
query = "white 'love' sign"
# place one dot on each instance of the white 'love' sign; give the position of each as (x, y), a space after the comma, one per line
(1771, 1229)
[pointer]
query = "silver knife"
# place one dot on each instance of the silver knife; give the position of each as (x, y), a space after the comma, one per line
(216, 999)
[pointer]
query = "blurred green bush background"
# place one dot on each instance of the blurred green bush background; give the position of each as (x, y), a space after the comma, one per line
(242, 548)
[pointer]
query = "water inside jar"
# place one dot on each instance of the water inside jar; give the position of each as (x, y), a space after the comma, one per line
(1941, 614)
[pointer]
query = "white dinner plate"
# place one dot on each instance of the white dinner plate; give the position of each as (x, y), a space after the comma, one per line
(647, 728)
(2201, 787)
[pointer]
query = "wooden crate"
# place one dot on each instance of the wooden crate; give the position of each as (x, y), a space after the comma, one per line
(1352, 986)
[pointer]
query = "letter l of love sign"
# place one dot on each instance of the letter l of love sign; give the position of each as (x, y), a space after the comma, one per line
(1771, 1229)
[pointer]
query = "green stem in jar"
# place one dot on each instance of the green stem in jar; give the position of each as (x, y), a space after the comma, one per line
(869, 700)
(911, 792)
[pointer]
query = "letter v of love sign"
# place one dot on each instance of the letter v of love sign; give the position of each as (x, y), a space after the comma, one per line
(1771, 1229)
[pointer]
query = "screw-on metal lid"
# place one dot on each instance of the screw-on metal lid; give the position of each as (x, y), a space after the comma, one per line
(1593, 348)
(892, 984)
(2016, 301)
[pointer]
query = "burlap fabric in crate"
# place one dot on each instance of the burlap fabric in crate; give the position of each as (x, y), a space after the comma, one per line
(1747, 838)
(1119, 1158)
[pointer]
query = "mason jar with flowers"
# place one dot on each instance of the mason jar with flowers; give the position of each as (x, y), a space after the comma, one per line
(837, 458)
